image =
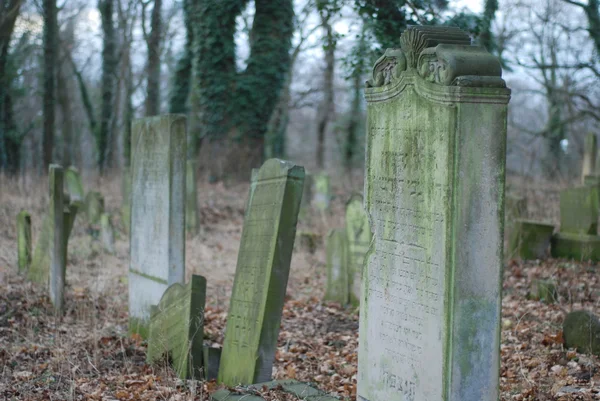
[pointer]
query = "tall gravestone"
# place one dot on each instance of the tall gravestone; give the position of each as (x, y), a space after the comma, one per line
(434, 192)
(157, 234)
(590, 153)
(262, 273)
(338, 274)
(579, 211)
(23, 241)
(359, 239)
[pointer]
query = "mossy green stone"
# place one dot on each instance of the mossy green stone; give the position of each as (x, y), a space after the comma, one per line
(581, 330)
(579, 211)
(338, 267)
(575, 246)
(23, 241)
(73, 184)
(94, 206)
(177, 328)
(543, 290)
(359, 236)
(530, 239)
(262, 273)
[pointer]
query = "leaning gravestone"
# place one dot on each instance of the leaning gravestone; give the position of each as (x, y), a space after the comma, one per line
(177, 328)
(359, 239)
(23, 241)
(434, 192)
(590, 153)
(321, 192)
(338, 274)
(262, 273)
(157, 235)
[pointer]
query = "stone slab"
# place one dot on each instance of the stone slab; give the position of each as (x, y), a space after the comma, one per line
(262, 273)
(302, 391)
(177, 328)
(74, 185)
(530, 239)
(212, 360)
(579, 210)
(575, 246)
(338, 267)
(359, 236)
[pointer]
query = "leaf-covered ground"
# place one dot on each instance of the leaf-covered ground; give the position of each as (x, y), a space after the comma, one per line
(86, 353)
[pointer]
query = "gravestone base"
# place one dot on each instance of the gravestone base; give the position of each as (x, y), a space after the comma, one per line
(530, 239)
(302, 391)
(576, 246)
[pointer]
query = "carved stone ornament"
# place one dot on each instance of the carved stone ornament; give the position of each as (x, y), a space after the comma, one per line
(441, 55)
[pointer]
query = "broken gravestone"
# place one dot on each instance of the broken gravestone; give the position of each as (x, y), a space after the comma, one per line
(177, 328)
(262, 273)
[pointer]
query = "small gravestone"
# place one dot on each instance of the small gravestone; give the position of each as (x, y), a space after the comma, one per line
(94, 207)
(292, 388)
(107, 234)
(359, 239)
(321, 192)
(23, 241)
(262, 273)
(337, 263)
(530, 239)
(579, 211)
(126, 201)
(157, 235)
(73, 184)
(177, 328)
(212, 359)
(590, 153)
(434, 192)
(191, 199)
(543, 290)
(581, 330)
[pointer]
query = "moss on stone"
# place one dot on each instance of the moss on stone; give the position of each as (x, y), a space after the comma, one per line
(581, 330)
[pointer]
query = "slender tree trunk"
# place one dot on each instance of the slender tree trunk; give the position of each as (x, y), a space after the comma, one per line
(154, 43)
(183, 71)
(109, 66)
(50, 62)
(63, 94)
(327, 108)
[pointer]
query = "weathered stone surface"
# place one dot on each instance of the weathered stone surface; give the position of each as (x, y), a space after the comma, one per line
(590, 153)
(359, 236)
(307, 197)
(543, 290)
(581, 330)
(192, 223)
(322, 192)
(434, 192)
(94, 206)
(212, 359)
(177, 328)
(73, 185)
(515, 207)
(338, 267)
(262, 273)
(579, 211)
(530, 239)
(575, 246)
(301, 391)
(23, 241)
(157, 235)
(107, 234)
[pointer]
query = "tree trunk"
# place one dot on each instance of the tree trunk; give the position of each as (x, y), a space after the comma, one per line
(327, 108)
(109, 67)
(50, 62)
(154, 43)
(63, 95)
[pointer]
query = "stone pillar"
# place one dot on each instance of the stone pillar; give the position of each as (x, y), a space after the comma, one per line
(434, 192)
(157, 234)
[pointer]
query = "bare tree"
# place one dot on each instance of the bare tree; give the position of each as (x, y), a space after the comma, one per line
(50, 62)
(153, 43)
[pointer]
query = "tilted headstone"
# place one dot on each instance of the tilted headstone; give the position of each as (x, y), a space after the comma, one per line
(23, 241)
(359, 239)
(177, 328)
(434, 192)
(157, 235)
(579, 211)
(338, 267)
(321, 191)
(107, 234)
(530, 239)
(73, 184)
(590, 153)
(262, 273)
(94, 206)
(191, 199)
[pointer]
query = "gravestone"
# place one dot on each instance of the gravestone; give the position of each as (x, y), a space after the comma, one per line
(434, 193)
(322, 192)
(126, 201)
(338, 267)
(530, 239)
(581, 330)
(107, 234)
(58, 241)
(177, 328)
(293, 389)
(211, 357)
(262, 273)
(157, 235)
(359, 239)
(191, 199)
(94, 207)
(590, 153)
(23, 241)
(579, 211)
(307, 196)
(579, 247)
(73, 184)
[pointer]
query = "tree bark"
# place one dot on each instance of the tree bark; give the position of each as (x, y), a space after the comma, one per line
(153, 42)
(50, 62)
(327, 107)
(109, 67)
